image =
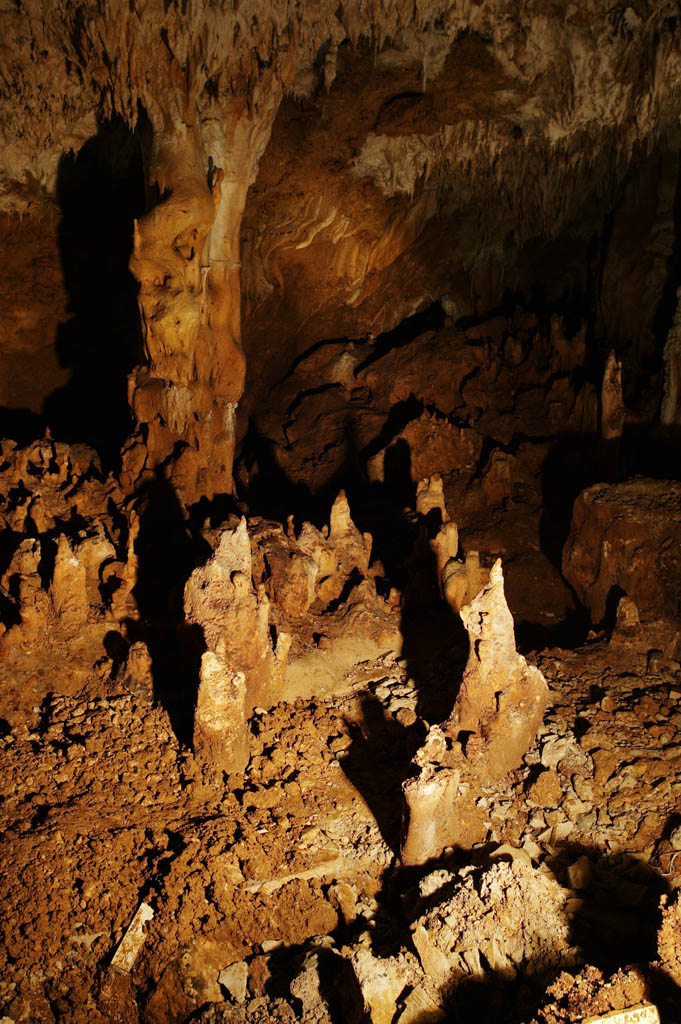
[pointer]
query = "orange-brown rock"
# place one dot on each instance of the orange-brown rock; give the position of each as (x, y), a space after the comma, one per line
(235, 618)
(625, 538)
(71, 570)
(496, 715)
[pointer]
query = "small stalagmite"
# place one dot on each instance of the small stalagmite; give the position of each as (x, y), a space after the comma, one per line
(459, 581)
(235, 617)
(68, 588)
(430, 495)
(612, 414)
(220, 732)
(498, 710)
(502, 699)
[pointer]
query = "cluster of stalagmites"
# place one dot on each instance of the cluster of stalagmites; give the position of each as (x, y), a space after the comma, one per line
(283, 616)
(498, 710)
(72, 570)
(266, 600)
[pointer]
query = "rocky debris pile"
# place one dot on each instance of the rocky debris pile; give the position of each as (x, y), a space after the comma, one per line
(493, 925)
(240, 874)
(626, 538)
(496, 715)
(503, 919)
(589, 993)
(282, 617)
(69, 569)
(490, 923)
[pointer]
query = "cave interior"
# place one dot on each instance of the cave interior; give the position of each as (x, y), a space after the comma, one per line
(340, 511)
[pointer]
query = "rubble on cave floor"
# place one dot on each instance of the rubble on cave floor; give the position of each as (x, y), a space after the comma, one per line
(228, 722)
(258, 870)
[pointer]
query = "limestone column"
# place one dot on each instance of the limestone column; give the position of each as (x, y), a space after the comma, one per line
(186, 259)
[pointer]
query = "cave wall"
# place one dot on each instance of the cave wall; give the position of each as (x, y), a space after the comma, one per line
(381, 161)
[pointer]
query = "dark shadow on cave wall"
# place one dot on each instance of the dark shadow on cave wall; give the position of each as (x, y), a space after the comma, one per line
(100, 191)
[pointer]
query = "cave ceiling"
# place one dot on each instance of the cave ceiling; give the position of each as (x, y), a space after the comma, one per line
(353, 164)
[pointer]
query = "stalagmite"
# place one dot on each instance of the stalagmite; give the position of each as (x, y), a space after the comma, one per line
(220, 724)
(502, 699)
(459, 581)
(430, 495)
(68, 589)
(612, 414)
(235, 619)
(497, 712)
(670, 413)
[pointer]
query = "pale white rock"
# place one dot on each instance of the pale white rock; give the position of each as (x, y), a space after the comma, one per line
(220, 732)
(235, 979)
(130, 945)
(381, 982)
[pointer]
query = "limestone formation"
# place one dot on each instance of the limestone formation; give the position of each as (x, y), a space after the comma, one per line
(459, 581)
(499, 707)
(71, 577)
(612, 406)
(430, 495)
(220, 724)
(612, 414)
(281, 284)
(235, 618)
(502, 699)
(670, 412)
(68, 589)
(624, 539)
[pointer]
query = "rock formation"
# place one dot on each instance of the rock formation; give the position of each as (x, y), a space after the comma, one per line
(235, 619)
(262, 584)
(670, 412)
(72, 575)
(624, 540)
(203, 87)
(499, 707)
(305, 310)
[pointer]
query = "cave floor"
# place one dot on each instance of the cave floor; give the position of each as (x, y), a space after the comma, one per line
(102, 808)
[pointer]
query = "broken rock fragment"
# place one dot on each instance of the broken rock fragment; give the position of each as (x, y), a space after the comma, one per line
(130, 945)
(498, 710)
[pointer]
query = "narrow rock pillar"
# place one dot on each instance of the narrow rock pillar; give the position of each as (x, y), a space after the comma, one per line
(186, 259)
